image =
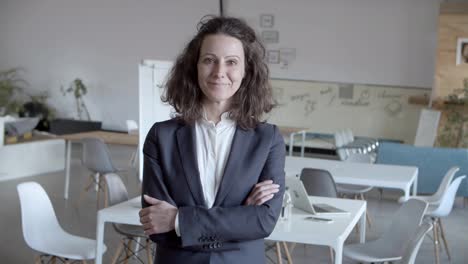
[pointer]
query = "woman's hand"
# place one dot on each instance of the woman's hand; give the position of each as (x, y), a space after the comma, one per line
(159, 217)
(262, 192)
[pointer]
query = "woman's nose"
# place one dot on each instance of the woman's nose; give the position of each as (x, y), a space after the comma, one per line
(219, 70)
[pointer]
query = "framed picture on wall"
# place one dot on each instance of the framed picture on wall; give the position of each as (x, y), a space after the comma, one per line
(462, 51)
(273, 56)
(267, 21)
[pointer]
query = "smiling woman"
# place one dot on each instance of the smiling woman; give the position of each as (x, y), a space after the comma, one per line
(213, 177)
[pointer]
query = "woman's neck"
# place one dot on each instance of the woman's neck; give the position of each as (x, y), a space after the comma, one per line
(214, 111)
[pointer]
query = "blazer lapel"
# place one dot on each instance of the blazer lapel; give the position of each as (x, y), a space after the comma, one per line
(188, 157)
(232, 171)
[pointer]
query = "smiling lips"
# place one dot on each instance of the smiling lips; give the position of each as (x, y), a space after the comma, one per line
(218, 84)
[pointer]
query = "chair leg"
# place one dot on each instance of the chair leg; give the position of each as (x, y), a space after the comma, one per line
(37, 260)
(118, 252)
(442, 233)
(127, 251)
(286, 250)
(53, 260)
(278, 253)
(436, 241)
(291, 249)
(332, 255)
(369, 223)
(89, 183)
(149, 254)
(104, 187)
(380, 193)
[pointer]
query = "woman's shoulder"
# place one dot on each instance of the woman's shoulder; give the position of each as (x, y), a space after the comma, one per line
(267, 129)
(165, 127)
(264, 126)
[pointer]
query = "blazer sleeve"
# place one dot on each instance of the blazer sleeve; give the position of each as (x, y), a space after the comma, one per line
(238, 223)
(153, 184)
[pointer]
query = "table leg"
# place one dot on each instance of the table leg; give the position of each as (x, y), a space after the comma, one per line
(67, 167)
(99, 240)
(415, 186)
(291, 141)
(278, 253)
(362, 227)
(339, 252)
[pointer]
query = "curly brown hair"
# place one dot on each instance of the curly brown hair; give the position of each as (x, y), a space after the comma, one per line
(254, 97)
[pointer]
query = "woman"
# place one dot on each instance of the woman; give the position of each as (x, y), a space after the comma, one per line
(213, 177)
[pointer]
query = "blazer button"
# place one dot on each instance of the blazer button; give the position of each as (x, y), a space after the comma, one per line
(218, 245)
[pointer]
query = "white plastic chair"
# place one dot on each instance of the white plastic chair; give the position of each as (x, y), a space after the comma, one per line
(370, 144)
(356, 191)
(409, 257)
(132, 129)
(392, 244)
(437, 196)
(352, 189)
(42, 231)
(443, 209)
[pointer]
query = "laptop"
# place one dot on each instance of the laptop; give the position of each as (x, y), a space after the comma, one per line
(300, 200)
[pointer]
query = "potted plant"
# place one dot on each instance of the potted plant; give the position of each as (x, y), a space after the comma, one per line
(36, 106)
(454, 129)
(68, 126)
(11, 86)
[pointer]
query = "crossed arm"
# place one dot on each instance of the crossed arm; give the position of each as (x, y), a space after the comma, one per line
(254, 219)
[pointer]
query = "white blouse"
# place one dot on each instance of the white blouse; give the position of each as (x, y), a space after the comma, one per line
(213, 147)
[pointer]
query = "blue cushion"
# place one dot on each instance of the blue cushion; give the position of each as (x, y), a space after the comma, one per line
(433, 163)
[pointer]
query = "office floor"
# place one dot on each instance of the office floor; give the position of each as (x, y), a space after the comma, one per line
(81, 219)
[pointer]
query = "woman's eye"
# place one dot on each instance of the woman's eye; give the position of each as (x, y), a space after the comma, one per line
(232, 62)
(208, 60)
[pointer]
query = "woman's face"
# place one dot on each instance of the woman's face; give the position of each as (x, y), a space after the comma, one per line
(221, 67)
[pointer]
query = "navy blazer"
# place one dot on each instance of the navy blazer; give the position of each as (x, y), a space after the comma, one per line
(229, 232)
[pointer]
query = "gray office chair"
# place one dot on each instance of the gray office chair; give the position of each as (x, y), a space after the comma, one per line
(411, 251)
(392, 244)
(318, 182)
(96, 157)
(117, 193)
(356, 191)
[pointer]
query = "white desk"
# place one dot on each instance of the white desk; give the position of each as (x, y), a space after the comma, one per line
(377, 175)
(298, 230)
(122, 213)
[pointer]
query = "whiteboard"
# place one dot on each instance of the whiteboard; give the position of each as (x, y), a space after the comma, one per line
(152, 77)
(427, 128)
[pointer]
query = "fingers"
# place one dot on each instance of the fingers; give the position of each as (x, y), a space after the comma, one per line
(262, 192)
(264, 199)
(151, 200)
(266, 182)
(265, 196)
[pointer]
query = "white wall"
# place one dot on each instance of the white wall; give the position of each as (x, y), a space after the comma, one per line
(101, 42)
(360, 41)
